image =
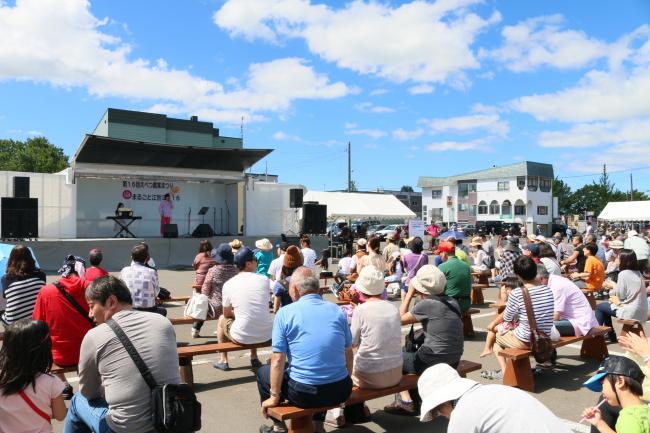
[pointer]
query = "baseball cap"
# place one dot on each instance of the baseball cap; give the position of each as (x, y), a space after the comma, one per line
(445, 247)
(244, 255)
(618, 365)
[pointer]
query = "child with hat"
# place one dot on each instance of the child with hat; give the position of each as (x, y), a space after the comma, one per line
(292, 260)
(264, 256)
(620, 380)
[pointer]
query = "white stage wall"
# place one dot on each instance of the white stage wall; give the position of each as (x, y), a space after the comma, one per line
(98, 198)
(268, 211)
(56, 201)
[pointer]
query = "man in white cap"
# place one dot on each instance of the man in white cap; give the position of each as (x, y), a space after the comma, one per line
(640, 247)
(472, 407)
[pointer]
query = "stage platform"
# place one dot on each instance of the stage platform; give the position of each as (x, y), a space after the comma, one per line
(168, 253)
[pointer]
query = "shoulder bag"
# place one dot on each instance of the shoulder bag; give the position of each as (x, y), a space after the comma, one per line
(540, 343)
(174, 407)
(198, 307)
(74, 303)
(31, 404)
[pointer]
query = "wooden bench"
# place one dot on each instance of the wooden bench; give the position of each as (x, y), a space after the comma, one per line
(591, 297)
(186, 353)
(468, 326)
(301, 419)
(518, 370)
(630, 326)
(476, 295)
(183, 299)
(482, 277)
(186, 320)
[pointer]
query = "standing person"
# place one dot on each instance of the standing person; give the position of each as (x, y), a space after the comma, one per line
(264, 256)
(313, 337)
(20, 285)
(629, 300)
(223, 270)
(113, 397)
(165, 210)
(95, 258)
(202, 262)
(443, 330)
(62, 305)
(142, 281)
(473, 407)
(309, 255)
(640, 247)
(457, 275)
(246, 318)
(25, 363)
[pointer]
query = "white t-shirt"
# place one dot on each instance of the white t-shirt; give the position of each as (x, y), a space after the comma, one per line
(309, 258)
(376, 329)
(17, 416)
(275, 268)
(552, 266)
(502, 409)
(248, 294)
(344, 265)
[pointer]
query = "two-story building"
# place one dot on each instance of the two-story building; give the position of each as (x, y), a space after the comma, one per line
(515, 193)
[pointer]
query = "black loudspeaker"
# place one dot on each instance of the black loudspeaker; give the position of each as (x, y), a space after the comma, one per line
(295, 198)
(19, 217)
(21, 187)
(203, 231)
(170, 231)
(314, 218)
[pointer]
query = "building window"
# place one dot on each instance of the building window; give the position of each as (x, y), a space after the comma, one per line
(464, 188)
(494, 207)
(506, 208)
(520, 208)
(532, 183)
(482, 208)
(462, 207)
(544, 184)
(436, 193)
(503, 186)
(521, 182)
(542, 210)
(436, 214)
(472, 210)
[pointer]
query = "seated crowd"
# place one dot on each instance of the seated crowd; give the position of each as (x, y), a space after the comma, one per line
(319, 350)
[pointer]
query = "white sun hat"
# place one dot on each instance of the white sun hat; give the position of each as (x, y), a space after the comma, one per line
(370, 281)
(440, 384)
(264, 244)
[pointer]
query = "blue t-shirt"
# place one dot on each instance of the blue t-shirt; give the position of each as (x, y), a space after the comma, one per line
(282, 292)
(264, 259)
(314, 335)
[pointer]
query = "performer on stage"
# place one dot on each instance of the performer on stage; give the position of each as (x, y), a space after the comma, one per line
(166, 207)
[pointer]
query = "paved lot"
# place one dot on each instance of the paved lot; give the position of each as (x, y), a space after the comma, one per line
(231, 404)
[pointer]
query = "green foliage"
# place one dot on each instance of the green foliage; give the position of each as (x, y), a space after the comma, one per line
(406, 188)
(563, 192)
(36, 155)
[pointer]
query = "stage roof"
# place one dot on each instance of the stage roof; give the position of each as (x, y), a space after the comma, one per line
(626, 211)
(359, 205)
(106, 150)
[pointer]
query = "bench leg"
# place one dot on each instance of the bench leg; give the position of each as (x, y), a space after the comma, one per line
(594, 348)
(634, 329)
(518, 373)
(477, 297)
(468, 326)
(483, 279)
(301, 425)
(185, 370)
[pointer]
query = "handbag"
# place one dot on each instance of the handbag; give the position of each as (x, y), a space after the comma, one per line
(540, 343)
(174, 407)
(74, 303)
(198, 306)
(414, 340)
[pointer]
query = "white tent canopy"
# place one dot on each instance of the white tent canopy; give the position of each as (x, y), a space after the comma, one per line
(360, 205)
(626, 211)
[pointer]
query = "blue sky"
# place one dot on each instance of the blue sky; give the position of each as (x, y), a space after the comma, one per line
(419, 88)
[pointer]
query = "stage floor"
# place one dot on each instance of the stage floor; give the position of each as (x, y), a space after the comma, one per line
(168, 253)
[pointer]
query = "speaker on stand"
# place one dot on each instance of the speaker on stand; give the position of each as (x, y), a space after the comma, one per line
(314, 218)
(295, 198)
(19, 217)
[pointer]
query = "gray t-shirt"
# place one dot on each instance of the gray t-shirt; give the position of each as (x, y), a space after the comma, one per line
(106, 369)
(630, 289)
(443, 330)
(376, 329)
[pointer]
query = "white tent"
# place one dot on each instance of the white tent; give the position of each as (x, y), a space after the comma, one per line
(626, 211)
(360, 205)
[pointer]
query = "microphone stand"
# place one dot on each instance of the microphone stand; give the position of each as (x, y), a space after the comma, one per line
(188, 222)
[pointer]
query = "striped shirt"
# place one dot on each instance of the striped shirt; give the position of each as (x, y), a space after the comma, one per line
(21, 296)
(542, 300)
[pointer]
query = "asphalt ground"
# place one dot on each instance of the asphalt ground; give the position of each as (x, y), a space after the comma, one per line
(231, 402)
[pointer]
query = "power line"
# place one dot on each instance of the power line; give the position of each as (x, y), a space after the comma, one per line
(629, 170)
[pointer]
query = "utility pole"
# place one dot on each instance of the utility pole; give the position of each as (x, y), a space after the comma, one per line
(349, 167)
(631, 188)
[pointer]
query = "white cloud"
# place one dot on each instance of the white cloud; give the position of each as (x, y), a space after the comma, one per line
(630, 133)
(463, 124)
(421, 89)
(418, 41)
(283, 136)
(402, 134)
(541, 42)
(368, 107)
(60, 42)
(373, 133)
(445, 146)
(484, 108)
(377, 92)
(349, 125)
(618, 158)
(35, 133)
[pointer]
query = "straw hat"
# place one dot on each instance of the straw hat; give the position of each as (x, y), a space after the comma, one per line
(429, 280)
(236, 244)
(264, 244)
(440, 384)
(616, 245)
(370, 281)
(362, 242)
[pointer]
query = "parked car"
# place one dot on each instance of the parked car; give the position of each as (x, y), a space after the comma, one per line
(468, 229)
(381, 234)
(374, 228)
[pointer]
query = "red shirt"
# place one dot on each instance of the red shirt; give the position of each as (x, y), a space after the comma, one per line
(67, 326)
(94, 272)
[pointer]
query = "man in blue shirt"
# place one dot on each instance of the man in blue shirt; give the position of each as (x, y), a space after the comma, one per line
(312, 353)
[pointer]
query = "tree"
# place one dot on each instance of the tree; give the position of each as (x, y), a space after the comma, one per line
(564, 196)
(406, 188)
(36, 155)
